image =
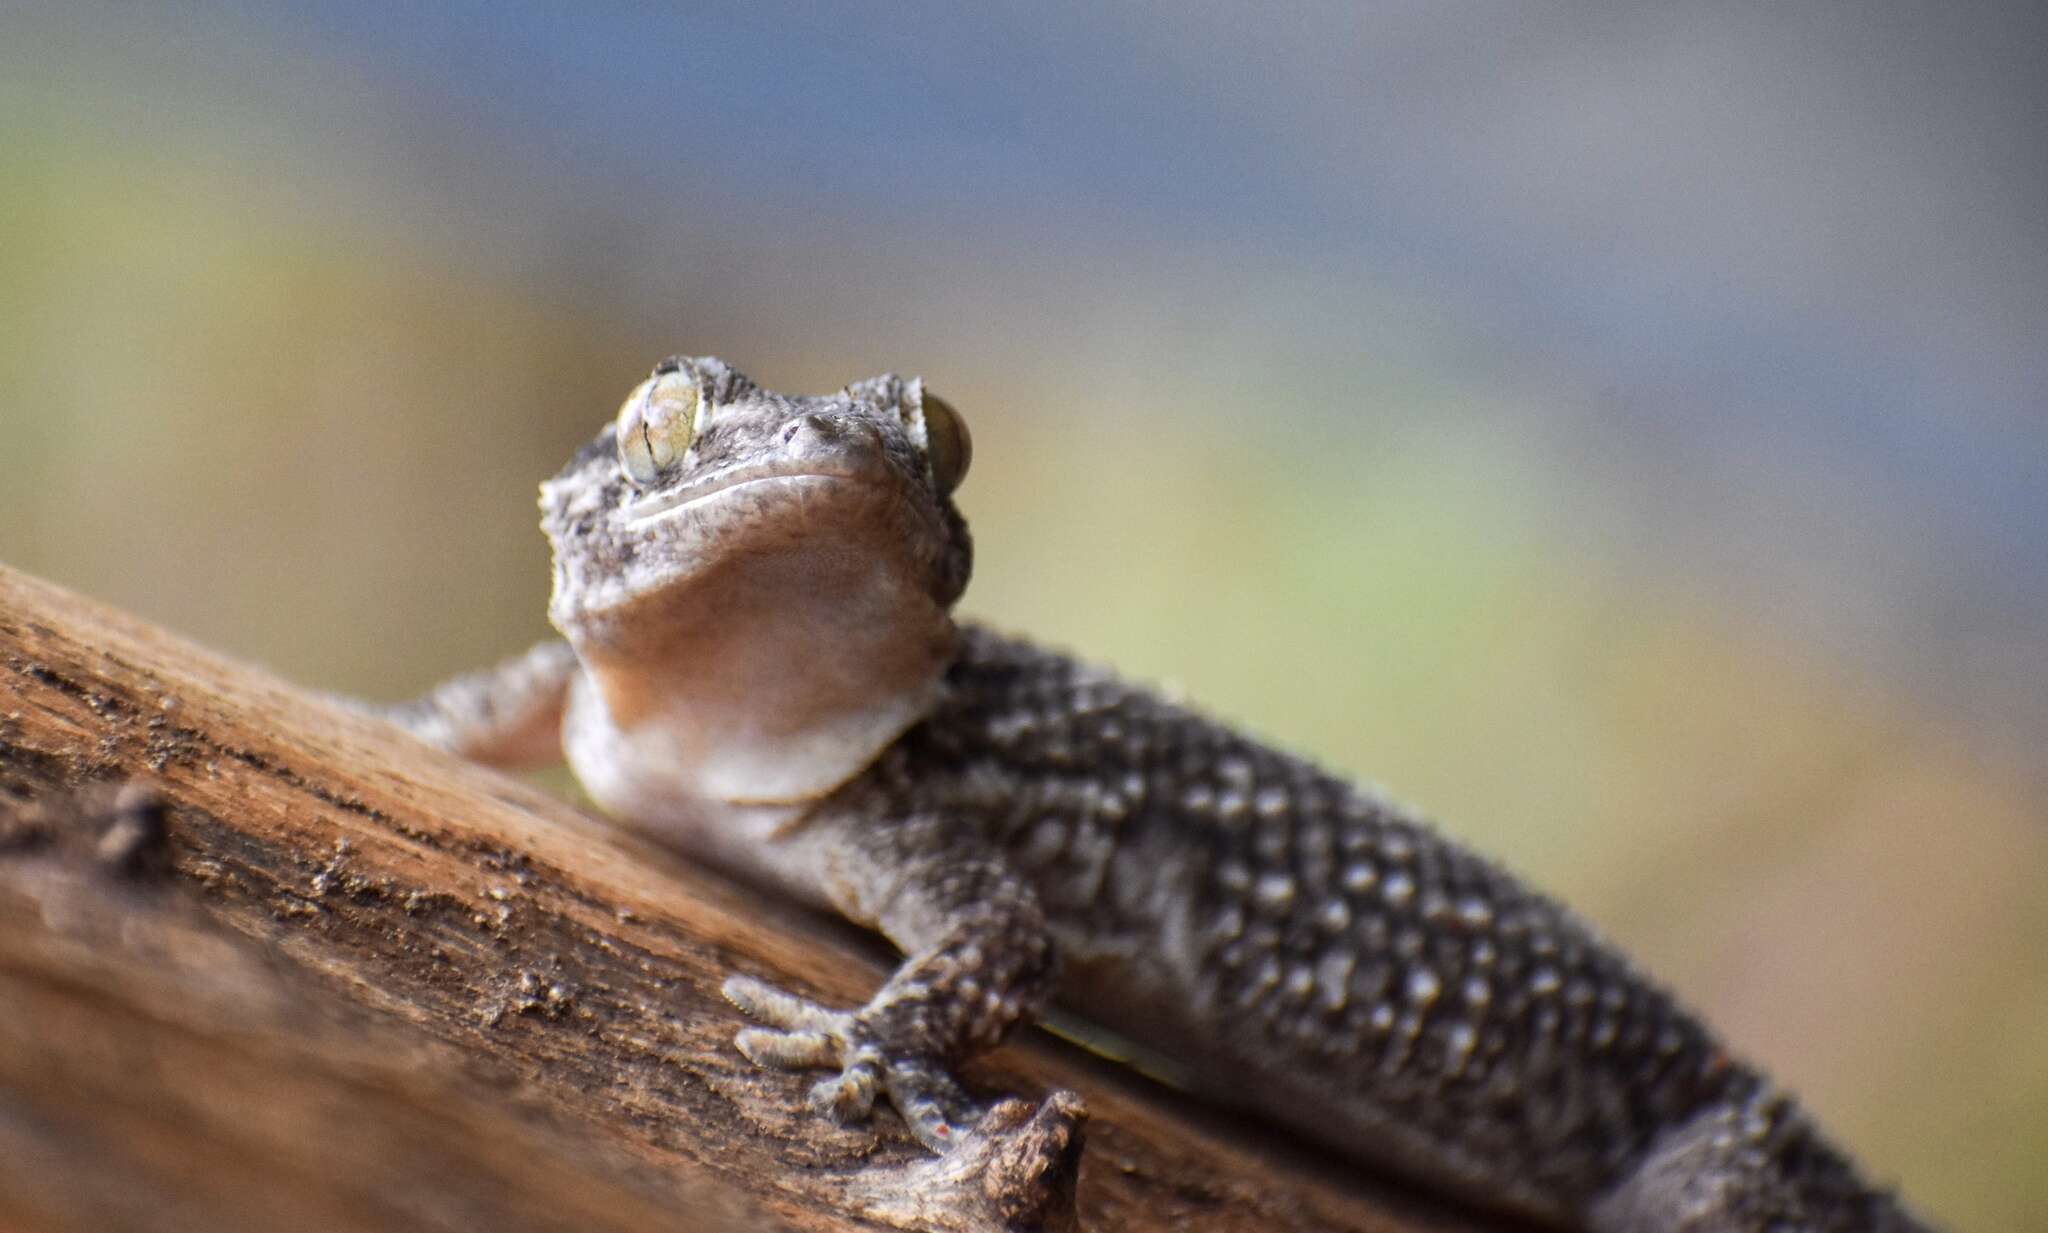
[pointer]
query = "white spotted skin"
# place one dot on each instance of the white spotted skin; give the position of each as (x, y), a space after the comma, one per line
(1312, 945)
(1313, 951)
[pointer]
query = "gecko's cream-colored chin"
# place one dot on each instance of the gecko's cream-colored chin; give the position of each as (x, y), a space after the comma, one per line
(771, 678)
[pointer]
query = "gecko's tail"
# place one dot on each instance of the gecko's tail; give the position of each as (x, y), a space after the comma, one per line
(1745, 1165)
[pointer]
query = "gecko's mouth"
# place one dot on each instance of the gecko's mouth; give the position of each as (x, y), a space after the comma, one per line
(721, 484)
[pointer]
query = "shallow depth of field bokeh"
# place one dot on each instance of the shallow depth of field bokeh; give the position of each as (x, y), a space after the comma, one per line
(1620, 433)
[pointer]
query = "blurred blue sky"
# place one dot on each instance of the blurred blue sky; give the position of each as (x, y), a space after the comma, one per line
(1773, 276)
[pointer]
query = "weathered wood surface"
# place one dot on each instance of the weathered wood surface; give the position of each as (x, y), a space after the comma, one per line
(373, 987)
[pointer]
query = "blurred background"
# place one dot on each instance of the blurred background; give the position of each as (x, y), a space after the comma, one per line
(1622, 430)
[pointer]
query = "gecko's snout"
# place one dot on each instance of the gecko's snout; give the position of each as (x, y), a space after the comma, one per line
(808, 425)
(813, 431)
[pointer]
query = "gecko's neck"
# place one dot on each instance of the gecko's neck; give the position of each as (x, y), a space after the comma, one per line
(776, 678)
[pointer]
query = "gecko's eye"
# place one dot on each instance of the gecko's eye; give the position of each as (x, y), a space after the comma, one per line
(946, 443)
(656, 424)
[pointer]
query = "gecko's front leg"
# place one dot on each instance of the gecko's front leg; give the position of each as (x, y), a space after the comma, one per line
(979, 959)
(508, 715)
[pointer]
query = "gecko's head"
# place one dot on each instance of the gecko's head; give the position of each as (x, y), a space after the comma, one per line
(708, 490)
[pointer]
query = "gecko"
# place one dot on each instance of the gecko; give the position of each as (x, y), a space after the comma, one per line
(759, 665)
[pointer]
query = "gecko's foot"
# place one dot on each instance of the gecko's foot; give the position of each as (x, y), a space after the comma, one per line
(803, 1035)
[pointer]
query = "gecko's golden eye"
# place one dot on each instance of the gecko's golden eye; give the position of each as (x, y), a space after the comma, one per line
(946, 443)
(656, 424)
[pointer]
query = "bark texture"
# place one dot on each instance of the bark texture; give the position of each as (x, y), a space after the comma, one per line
(341, 981)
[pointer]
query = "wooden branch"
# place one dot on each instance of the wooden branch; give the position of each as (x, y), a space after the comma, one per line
(373, 987)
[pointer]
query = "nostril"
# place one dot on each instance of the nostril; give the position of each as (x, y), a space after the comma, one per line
(814, 425)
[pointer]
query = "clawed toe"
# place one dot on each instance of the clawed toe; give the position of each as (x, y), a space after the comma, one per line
(804, 1035)
(787, 1050)
(801, 1035)
(761, 1001)
(933, 1106)
(848, 1096)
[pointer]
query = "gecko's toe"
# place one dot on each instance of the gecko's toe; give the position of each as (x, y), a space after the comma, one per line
(801, 1034)
(934, 1107)
(764, 1003)
(804, 1035)
(787, 1050)
(848, 1096)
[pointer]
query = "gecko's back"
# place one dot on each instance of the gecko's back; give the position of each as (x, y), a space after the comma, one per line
(1315, 952)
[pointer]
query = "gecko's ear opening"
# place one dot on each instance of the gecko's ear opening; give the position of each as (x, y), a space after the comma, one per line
(948, 447)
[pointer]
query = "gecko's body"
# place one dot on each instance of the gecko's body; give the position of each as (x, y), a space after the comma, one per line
(761, 668)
